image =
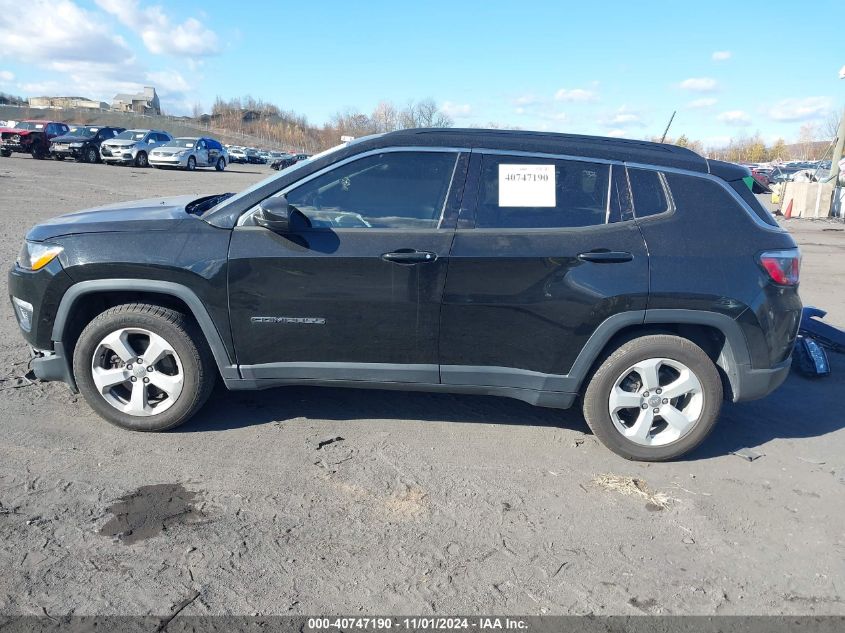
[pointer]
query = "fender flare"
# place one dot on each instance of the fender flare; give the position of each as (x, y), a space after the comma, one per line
(733, 358)
(197, 308)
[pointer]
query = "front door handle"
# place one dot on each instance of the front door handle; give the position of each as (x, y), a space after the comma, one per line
(409, 256)
(606, 257)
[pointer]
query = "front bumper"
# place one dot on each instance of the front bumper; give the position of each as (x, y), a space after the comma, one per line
(117, 154)
(167, 161)
(9, 146)
(52, 365)
(66, 150)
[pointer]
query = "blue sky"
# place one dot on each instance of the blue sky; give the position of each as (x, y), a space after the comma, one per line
(610, 68)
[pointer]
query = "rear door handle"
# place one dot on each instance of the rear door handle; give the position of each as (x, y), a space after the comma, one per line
(606, 257)
(409, 256)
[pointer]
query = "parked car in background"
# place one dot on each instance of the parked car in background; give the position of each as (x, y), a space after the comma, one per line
(253, 157)
(82, 142)
(190, 153)
(30, 137)
(282, 162)
(237, 155)
(784, 174)
(581, 270)
(132, 147)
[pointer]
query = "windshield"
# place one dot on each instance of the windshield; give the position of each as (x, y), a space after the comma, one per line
(84, 132)
(282, 172)
(29, 125)
(181, 142)
(131, 135)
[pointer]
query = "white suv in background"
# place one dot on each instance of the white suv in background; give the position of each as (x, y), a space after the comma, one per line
(133, 147)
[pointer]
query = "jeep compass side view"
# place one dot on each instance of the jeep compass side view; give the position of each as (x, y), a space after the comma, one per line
(638, 279)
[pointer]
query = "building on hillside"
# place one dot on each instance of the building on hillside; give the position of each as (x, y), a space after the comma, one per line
(67, 102)
(145, 102)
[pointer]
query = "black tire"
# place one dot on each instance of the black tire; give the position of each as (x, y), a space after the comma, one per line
(192, 163)
(615, 366)
(221, 164)
(58, 157)
(92, 155)
(186, 340)
(37, 151)
(141, 160)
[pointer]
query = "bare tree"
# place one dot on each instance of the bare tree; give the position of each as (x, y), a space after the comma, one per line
(385, 117)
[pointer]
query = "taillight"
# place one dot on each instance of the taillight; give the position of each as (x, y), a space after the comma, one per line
(783, 267)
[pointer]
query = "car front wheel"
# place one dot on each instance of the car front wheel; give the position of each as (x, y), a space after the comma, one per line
(143, 367)
(654, 398)
(221, 164)
(141, 159)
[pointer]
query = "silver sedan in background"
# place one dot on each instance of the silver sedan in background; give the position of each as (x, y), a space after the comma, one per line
(190, 153)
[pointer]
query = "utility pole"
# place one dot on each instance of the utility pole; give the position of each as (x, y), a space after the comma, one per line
(837, 151)
(837, 155)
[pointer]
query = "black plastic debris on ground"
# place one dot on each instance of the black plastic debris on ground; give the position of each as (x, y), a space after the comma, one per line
(149, 511)
(831, 337)
(747, 454)
(331, 440)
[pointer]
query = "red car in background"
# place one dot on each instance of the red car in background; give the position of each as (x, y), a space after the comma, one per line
(30, 137)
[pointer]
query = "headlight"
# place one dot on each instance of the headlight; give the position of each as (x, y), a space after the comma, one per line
(129, 146)
(36, 255)
(76, 144)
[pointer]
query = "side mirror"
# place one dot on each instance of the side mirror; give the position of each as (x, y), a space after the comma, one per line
(277, 215)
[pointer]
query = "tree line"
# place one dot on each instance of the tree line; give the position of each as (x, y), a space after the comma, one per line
(286, 128)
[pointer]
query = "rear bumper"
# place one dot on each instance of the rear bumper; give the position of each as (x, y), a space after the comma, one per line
(753, 384)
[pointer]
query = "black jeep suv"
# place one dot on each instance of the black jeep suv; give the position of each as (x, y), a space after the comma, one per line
(83, 142)
(639, 278)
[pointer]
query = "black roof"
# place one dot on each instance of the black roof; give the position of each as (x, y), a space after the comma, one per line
(625, 150)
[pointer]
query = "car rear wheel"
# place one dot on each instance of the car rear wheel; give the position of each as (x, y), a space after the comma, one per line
(192, 163)
(221, 164)
(654, 398)
(143, 367)
(141, 159)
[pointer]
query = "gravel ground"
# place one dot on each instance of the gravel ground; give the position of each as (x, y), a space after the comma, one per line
(310, 501)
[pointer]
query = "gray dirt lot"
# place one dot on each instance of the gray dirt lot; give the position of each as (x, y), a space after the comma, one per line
(430, 503)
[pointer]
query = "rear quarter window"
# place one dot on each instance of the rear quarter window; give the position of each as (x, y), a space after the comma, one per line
(752, 201)
(705, 197)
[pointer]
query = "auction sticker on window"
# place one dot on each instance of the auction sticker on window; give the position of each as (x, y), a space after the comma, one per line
(526, 185)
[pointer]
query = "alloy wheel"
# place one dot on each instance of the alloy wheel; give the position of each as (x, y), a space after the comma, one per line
(137, 372)
(656, 401)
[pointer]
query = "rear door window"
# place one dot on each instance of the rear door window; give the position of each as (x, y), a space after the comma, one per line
(518, 192)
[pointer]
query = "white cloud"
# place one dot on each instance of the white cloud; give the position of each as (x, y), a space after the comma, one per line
(800, 109)
(189, 39)
(575, 95)
(456, 110)
(519, 110)
(624, 117)
(525, 100)
(62, 32)
(7, 75)
(722, 56)
(168, 81)
(734, 117)
(617, 133)
(699, 84)
(701, 104)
